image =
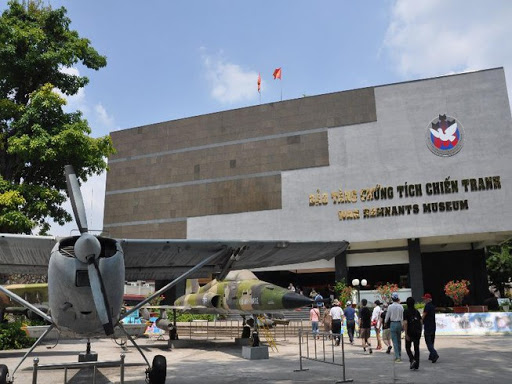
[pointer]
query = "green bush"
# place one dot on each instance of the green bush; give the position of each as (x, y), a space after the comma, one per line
(13, 337)
(185, 317)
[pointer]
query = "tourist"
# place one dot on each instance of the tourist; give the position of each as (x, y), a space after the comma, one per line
(327, 320)
(337, 316)
(429, 326)
(395, 315)
(376, 322)
(386, 332)
(319, 300)
(412, 330)
(314, 316)
(365, 322)
(350, 315)
(291, 287)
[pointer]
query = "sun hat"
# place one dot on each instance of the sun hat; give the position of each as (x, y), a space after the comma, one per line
(349, 303)
(394, 296)
(336, 302)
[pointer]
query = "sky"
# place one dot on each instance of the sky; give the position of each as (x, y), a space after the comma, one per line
(168, 60)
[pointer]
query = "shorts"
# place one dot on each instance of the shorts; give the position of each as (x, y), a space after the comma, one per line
(386, 334)
(364, 333)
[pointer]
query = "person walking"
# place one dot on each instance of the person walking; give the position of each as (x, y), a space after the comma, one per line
(429, 326)
(395, 315)
(350, 316)
(365, 321)
(327, 320)
(412, 330)
(386, 332)
(337, 315)
(376, 322)
(314, 316)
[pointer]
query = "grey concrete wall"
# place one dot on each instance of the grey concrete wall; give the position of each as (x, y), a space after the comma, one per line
(392, 151)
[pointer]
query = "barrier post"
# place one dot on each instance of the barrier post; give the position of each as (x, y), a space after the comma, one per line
(300, 354)
(34, 374)
(345, 380)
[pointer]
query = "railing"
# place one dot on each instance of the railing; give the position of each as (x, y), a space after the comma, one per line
(202, 329)
(321, 347)
(80, 365)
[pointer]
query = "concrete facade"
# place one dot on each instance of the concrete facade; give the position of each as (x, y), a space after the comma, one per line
(352, 165)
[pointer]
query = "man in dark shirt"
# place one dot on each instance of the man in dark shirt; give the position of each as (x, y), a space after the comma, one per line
(350, 315)
(386, 332)
(429, 326)
(365, 324)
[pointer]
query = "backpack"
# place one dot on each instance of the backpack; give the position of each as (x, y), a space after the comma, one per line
(414, 326)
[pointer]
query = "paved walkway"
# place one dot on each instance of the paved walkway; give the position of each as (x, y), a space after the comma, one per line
(463, 359)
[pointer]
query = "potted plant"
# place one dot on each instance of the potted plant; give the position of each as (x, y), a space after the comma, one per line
(457, 290)
(385, 291)
(343, 291)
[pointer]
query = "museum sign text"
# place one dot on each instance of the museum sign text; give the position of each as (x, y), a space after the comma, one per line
(384, 194)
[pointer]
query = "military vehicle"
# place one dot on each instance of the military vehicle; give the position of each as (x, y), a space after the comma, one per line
(240, 292)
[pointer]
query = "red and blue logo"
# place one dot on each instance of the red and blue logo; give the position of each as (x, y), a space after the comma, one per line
(445, 136)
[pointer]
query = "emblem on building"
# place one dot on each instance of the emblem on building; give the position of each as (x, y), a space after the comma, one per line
(445, 136)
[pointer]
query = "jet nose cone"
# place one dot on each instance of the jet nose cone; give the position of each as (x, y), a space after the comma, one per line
(293, 300)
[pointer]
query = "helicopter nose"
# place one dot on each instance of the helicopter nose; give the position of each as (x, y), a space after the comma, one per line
(293, 300)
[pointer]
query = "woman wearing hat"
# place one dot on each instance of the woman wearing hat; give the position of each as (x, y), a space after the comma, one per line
(337, 316)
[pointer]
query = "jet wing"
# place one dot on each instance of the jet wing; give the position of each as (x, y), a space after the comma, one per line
(25, 253)
(167, 259)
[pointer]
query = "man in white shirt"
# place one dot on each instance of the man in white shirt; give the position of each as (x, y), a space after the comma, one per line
(395, 314)
(376, 323)
(337, 315)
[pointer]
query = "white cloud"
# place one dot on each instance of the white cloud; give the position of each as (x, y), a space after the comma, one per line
(437, 37)
(230, 83)
(102, 115)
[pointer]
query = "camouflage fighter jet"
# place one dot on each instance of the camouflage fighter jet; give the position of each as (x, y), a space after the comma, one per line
(241, 292)
(36, 294)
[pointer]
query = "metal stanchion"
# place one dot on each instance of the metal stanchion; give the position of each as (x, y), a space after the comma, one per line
(34, 374)
(122, 369)
(300, 354)
(345, 380)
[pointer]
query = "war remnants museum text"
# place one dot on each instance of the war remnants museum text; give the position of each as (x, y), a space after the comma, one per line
(385, 193)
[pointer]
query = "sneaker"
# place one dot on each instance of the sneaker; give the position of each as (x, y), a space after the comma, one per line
(389, 350)
(435, 359)
(398, 360)
(417, 365)
(364, 349)
(371, 351)
(413, 364)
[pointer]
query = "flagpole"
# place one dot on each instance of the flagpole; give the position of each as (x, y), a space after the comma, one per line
(281, 81)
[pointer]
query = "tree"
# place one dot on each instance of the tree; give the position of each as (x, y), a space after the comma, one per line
(499, 266)
(37, 138)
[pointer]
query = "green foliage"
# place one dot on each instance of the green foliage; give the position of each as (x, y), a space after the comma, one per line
(13, 337)
(343, 291)
(499, 266)
(37, 138)
(186, 317)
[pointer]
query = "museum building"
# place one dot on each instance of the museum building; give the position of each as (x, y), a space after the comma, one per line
(417, 176)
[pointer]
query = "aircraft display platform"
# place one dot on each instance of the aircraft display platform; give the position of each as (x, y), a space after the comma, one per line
(462, 360)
